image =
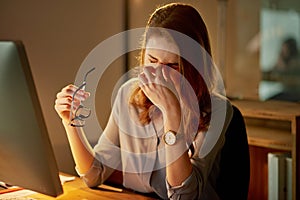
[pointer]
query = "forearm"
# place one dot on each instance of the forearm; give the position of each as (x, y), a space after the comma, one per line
(179, 170)
(179, 167)
(80, 147)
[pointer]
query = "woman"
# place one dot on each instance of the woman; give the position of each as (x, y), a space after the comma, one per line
(161, 133)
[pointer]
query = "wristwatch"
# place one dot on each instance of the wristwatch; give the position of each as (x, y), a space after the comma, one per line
(170, 137)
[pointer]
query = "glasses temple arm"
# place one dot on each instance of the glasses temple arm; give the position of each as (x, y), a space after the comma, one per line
(84, 80)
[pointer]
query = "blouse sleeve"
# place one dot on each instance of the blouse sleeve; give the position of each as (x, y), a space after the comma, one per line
(107, 157)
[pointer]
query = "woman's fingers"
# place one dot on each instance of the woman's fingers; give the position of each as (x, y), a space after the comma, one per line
(69, 90)
(147, 76)
(64, 100)
(151, 75)
(159, 75)
(166, 72)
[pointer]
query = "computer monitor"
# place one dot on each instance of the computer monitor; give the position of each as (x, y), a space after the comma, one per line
(26, 155)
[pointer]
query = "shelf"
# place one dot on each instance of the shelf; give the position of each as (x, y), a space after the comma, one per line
(273, 125)
(269, 138)
(277, 110)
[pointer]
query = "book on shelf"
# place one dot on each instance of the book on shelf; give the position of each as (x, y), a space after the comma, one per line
(289, 177)
(279, 176)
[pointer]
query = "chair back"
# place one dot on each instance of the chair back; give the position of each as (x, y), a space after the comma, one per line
(233, 181)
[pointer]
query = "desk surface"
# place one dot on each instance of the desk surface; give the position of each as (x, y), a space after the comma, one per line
(76, 190)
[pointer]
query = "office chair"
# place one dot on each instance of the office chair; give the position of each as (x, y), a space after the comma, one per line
(233, 181)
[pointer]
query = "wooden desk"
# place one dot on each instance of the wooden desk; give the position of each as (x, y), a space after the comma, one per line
(76, 190)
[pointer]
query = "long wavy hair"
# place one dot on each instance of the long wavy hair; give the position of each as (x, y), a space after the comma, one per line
(186, 20)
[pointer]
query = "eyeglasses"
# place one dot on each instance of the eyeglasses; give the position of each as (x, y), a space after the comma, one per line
(82, 112)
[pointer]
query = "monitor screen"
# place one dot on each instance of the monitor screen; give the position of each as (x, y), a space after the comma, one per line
(26, 155)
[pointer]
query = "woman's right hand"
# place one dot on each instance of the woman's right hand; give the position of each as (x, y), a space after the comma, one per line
(64, 100)
(81, 149)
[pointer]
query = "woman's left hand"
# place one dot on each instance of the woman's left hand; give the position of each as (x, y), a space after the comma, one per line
(160, 84)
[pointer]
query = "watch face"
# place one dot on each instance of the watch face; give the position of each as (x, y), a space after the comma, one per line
(170, 138)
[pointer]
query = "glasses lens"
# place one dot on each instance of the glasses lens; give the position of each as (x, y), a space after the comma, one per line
(82, 112)
(80, 115)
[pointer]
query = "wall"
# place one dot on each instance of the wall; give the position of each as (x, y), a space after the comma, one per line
(242, 49)
(58, 35)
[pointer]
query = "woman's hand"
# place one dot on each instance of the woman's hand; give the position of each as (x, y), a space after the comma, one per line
(158, 86)
(64, 100)
(81, 149)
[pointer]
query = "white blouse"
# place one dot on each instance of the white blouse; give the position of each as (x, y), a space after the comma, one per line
(139, 151)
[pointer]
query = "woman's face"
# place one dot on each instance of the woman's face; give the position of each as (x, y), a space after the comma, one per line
(163, 51)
